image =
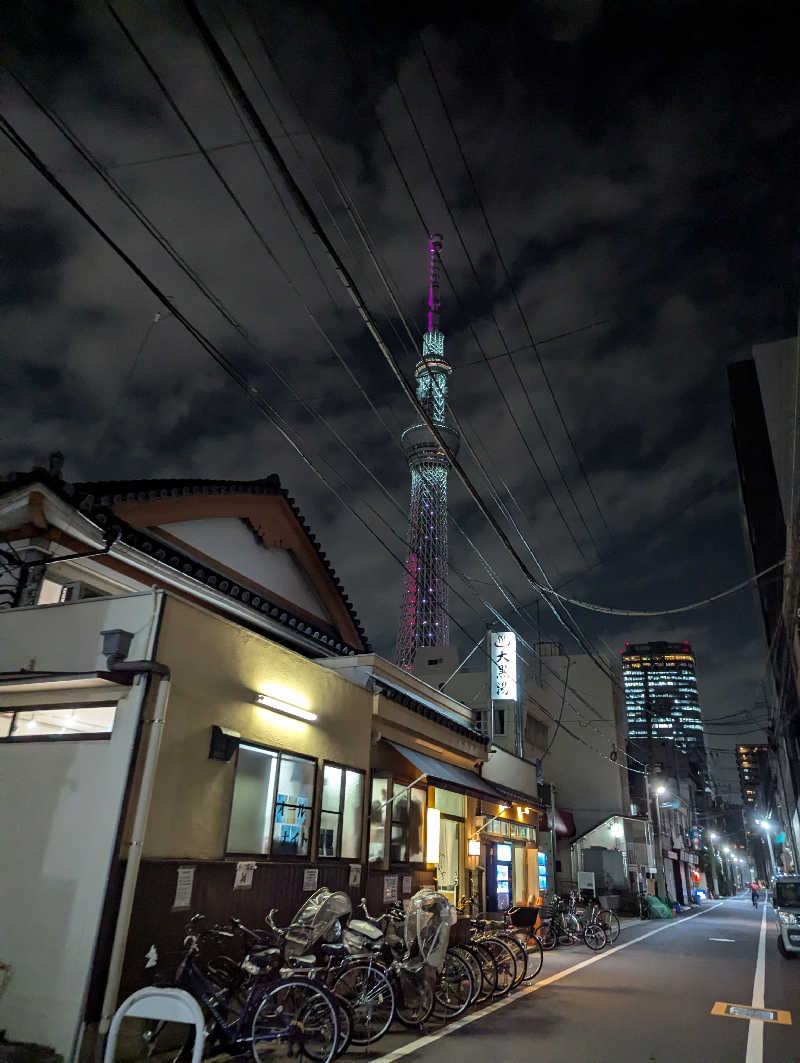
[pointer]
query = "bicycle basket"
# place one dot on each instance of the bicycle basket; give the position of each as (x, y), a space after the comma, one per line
(428, 922)
(524, 917)
(315, 920)
(461, 932)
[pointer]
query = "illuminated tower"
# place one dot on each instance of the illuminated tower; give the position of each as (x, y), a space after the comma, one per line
(423, 618)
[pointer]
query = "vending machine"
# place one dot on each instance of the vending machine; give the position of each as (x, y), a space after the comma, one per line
(499, 878)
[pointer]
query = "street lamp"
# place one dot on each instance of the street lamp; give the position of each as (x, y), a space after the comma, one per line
(766, 826)
(661, 885)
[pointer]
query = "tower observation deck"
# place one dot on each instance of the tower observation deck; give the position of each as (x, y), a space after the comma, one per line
(423, 616)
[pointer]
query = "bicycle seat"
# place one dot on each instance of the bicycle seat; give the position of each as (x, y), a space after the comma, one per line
(263, 957)
(333, 948)
(304, 961)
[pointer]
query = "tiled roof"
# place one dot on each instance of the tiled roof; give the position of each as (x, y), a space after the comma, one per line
(421, 709)
(96, 500)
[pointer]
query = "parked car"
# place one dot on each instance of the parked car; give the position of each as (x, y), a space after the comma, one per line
(786, 902)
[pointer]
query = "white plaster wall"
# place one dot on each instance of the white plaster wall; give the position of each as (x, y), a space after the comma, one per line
(60, 804)
(232, 543)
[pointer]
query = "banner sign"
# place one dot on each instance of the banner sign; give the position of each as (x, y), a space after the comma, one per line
(503, 656)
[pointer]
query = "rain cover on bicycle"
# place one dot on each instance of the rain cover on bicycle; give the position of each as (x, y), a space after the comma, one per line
(428, 921)
(315, 921)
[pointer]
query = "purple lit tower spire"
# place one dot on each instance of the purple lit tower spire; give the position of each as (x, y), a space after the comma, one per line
(423, 617)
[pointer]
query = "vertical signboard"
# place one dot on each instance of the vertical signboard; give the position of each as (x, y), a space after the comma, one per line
(503, 655)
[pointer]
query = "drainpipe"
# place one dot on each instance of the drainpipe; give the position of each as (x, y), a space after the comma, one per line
(152, 747)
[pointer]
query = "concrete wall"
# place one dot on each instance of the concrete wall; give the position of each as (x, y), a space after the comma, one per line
(217, 669)
(589, 786)
(60, 806)
(229, 541)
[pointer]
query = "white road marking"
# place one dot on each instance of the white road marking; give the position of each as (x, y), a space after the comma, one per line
(423, 1042)
(755, 1031)
(722, 939)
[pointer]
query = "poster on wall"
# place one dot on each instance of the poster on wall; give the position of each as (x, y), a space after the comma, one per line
(586, 881)
(406, 885)
(503, 655)
(183, 888)
(243, 879)
(389, 888)
(355, 875)
(310, 877)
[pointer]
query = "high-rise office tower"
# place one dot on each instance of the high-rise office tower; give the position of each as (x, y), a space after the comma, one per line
(661, 700)
(753, 764)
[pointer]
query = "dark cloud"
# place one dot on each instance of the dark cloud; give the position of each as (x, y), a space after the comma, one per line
(639, 166)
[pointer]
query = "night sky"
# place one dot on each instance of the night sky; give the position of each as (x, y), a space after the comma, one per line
(638, 165)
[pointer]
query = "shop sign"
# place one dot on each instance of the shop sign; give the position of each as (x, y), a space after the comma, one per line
(503, 656)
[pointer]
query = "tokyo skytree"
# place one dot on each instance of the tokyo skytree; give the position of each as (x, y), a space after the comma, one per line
(423, 617)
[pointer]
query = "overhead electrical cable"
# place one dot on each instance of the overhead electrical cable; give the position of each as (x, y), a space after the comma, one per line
(237, 201)
(525, 391)
(211, 349)
(509, 281)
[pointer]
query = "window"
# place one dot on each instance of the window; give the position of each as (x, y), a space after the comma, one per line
(404, 816)
(273, 796)
(499, 721)
(58, 721)
(340, 816)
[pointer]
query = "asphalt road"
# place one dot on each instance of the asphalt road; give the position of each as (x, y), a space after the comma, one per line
(648, 999)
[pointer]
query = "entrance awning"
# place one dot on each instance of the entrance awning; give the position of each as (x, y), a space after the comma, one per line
(449, 776)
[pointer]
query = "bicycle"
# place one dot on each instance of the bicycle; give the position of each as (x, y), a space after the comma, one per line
(585, 925)
(275, 1018)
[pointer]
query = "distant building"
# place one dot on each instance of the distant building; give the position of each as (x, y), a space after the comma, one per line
(753, 764)
(661, 700)
(763, 399)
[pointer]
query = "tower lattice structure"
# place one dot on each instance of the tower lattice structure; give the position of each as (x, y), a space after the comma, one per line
(423, 617)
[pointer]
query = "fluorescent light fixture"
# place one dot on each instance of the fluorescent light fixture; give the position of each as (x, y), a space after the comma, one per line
(432, 836)
(473, 847)
(268, 701)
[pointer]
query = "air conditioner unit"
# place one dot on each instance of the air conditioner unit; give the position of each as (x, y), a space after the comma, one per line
(77, 589)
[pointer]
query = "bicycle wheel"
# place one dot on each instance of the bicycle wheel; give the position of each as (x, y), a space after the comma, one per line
(610, 922)
(453, 993)
(548, 936)
(368, 990)
(519, 955)
(344, 1013)
(488, 971)
(505, 963)
(472, 961)
(534, 957)
(414, 997)
(295, 1017)
(594, 937)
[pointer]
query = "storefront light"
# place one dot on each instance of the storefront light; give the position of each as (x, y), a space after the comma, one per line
(432, 836)
(269, 701)
(473, 847)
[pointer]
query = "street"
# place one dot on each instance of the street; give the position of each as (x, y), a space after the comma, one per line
(648, 999)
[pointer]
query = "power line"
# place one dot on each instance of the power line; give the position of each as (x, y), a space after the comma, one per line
(509, 281)
(594, 608)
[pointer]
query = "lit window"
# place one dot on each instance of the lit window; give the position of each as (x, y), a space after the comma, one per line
(340, 816)
(49, 722)
(273, 796)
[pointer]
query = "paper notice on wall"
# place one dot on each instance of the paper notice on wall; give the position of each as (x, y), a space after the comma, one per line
(310, 876)
(243, 880)
(355, 875)
(183, 888)
(389, 888)
(406, 885)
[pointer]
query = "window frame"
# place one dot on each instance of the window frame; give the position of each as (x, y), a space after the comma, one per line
(279, 753)
(340, 813)
(386, 860)
(61, 706)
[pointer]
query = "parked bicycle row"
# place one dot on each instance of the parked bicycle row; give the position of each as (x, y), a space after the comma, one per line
(334, 978)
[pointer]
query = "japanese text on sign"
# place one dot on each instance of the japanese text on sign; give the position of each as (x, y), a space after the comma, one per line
(503, 654)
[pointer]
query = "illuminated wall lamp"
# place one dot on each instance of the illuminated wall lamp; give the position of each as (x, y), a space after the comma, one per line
(432, 836)
(473, 847)
(267, 701)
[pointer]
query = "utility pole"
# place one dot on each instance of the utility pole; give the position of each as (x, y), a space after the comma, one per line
(661, 888)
